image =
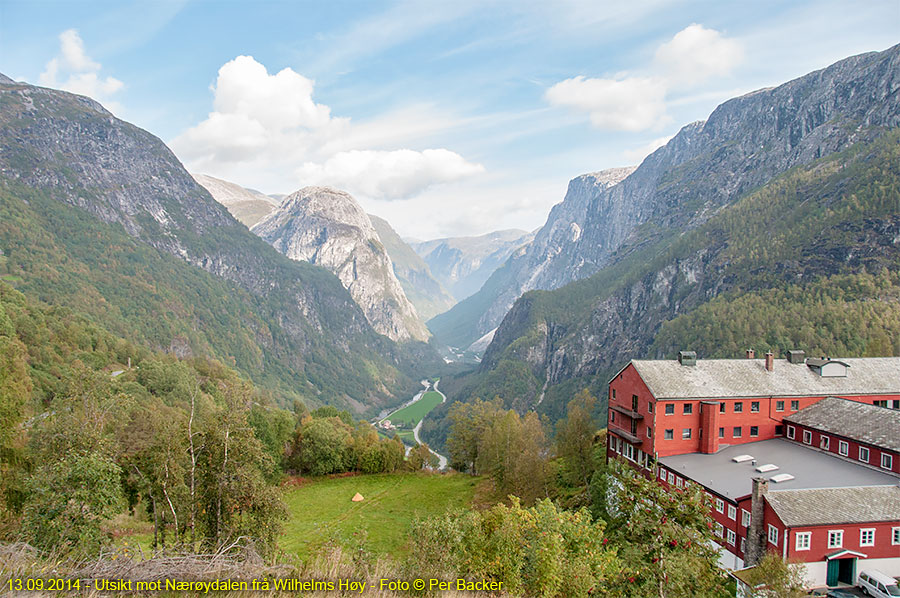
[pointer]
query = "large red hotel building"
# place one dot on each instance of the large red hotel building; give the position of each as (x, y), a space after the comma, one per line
(799, 456)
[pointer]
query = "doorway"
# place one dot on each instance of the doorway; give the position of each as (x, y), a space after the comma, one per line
(841, 571)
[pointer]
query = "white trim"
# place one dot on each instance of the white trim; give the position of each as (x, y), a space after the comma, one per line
(868, 453)
(895, 536)
(843, 448)
(773, 535)
(791, 432)
(840, 538)
(806, 538)
(887, 458)
(863, 532)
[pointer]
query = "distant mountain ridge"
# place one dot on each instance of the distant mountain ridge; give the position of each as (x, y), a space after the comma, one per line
(327, 227)
(247, 205)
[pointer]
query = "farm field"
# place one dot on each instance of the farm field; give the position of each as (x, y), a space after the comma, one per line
(321, 510)
(410, 415)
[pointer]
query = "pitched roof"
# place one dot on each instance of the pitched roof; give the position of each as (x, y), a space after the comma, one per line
(733, 378)
(857, 421)
(811, 468)
(833, 506)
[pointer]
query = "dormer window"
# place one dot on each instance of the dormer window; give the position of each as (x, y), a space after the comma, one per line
(828, 368)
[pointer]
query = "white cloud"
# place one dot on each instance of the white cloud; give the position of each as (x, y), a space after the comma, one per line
(73, 70)
(637, 155)
(697, 54)
(389, 174)
(628, 104)
(637, 103)
(267, 131)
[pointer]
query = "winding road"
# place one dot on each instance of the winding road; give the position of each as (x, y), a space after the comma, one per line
(442, 460)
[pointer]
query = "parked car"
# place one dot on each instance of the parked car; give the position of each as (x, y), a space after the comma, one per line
(877, 584)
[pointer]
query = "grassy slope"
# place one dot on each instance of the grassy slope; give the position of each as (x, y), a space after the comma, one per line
(413, 414)
(322, 510)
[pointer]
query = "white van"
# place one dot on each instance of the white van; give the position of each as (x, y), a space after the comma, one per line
(876, 583)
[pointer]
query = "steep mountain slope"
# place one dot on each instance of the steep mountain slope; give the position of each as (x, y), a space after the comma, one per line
(425, 293)
(327, 227)
(100, 215)
(462, 264)
(822, 240)
(744, 143)
(248, 206)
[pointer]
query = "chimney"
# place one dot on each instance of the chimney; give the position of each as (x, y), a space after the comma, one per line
(709, 427)
(687, 358)
(751, 354)
(770, 361)
(756, 534)
(796, 356)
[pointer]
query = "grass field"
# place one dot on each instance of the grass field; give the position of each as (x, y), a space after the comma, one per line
(407, 437)
(321, 510)
(411, 415)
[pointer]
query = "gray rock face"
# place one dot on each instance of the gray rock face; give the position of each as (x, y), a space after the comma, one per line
(463, 264)
(248, 206)
(744, 143)
(328, 228)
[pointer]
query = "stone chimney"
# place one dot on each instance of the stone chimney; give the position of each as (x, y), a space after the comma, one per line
(751, 354)
(755, 546)
(770, 361)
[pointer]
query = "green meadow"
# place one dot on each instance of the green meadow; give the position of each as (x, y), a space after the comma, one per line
(410, 415)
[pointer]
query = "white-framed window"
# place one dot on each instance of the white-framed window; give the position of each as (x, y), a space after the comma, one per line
(732, 512)
(720, 530)
(867, 537)
(843, 448)
(662, 474)
(791, 432)
(731, 537)
(773, 535)
(779, 405)
(802, 541)
(824, 442)
(754, 407)
(745, 517)
(628, 451)
(895, 536)
(720, 505)
(863, 454)
(669, 434)
(835, 538)
(742, 545)
(807, 437)
(887, 461)
(671, 478)
(686, 434)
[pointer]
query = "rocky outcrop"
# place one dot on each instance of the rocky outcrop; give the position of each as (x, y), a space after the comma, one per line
(247, 205)
(328, 228)
(745, 142)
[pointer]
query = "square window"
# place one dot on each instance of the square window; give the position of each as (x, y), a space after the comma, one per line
(754, 430)
(732, 512)
(670, 434)
(807, 437)
(795, 405)
(791, 432)
(745, 518)
(671, 478)
(779, 430)
(824, 443)
(662, 474)
(688, 408)
(721, 432)
(773, 535)
(686, 434)
(670, 408)
(738, 407)
(895, 536)
(720, 505)
(736, 432)
(779, 405)
(721, 407)
(754, 407)
(843, 448)
(835, 538)
(867, 537)
(863, 454)
(678, 483)
(803, 541)
(731, 537)
(887, 461)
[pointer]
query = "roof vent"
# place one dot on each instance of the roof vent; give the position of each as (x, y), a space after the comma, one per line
(766, 468)
(796, 356)
(742, 458)
(782, 477)
(687, 358)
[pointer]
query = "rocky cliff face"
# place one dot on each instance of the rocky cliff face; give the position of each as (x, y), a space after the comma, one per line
(70, 150)
(462, 264)
(328, 228)
(744, 143)
(248, 206)
(428, 296)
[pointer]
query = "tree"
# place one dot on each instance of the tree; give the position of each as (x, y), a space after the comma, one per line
(468, 423)
(321, 446)
(513, 451)
(773, 577)
(15, 390)
(421, 457)
(575, 438)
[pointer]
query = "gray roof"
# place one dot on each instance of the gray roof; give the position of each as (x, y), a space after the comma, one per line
(810, 467)
(853, 420)
(733, 378)
(833, 506)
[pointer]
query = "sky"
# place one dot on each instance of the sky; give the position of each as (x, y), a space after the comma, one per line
(446, 118)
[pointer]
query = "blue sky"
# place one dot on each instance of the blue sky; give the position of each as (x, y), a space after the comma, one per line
(446, 118)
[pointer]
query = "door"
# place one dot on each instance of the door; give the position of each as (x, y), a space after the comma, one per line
(831, 574)
(847, 571)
